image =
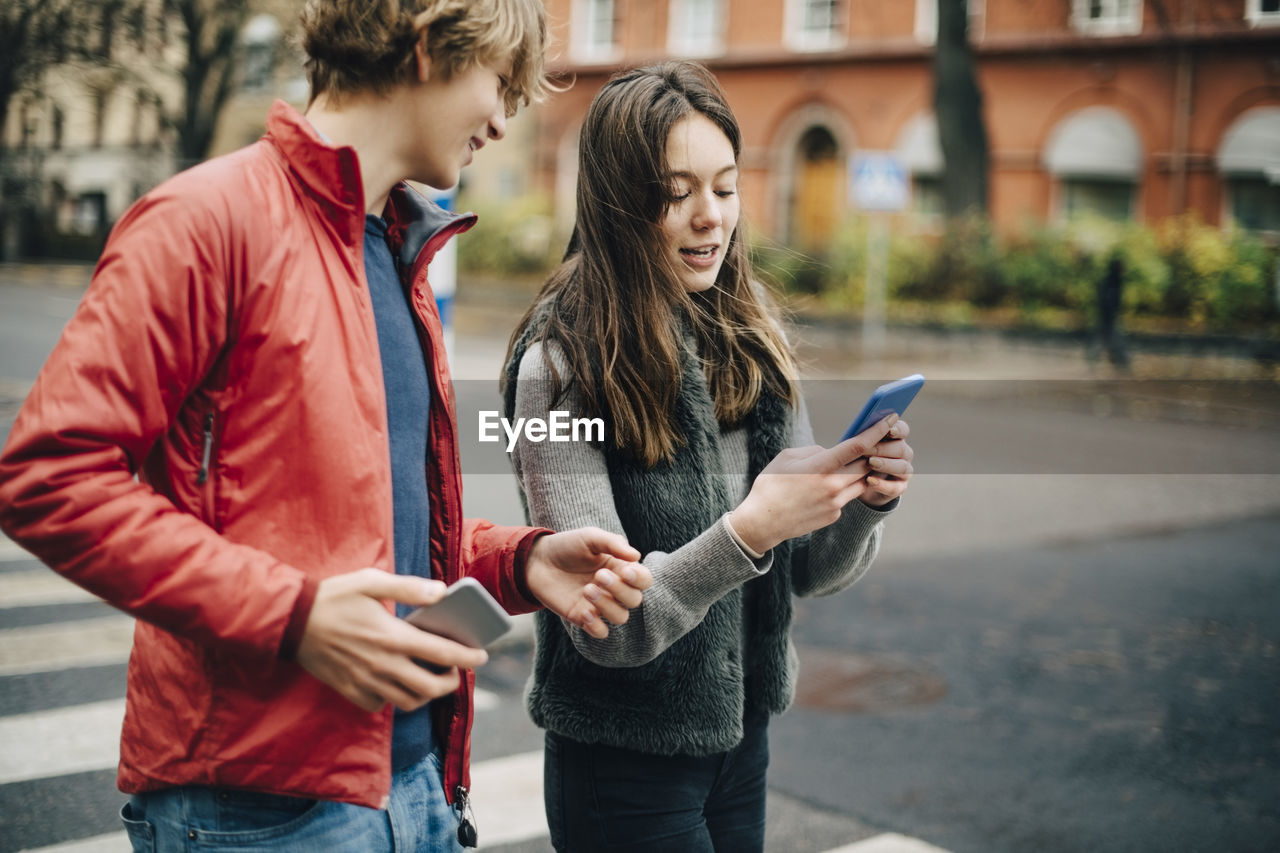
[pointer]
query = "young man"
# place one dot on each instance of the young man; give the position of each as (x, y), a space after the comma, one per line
(246, 439)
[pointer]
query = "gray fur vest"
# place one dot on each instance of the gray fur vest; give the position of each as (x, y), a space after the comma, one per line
(692, 698)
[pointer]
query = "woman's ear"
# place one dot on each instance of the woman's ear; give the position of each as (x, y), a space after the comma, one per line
(422, 57)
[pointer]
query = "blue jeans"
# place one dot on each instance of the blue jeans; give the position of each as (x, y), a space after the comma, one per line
(199, 818)
(601, 798)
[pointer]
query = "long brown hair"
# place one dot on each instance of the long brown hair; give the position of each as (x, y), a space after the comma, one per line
(617, 301)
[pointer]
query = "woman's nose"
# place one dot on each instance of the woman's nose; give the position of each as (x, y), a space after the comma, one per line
(707, 214)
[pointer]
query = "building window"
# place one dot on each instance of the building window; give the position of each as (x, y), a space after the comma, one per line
(594, 31)
(918, 150)
(926, 199)
(696, 27)
(1107, 17)
(1099, 198)
(59, 122)
(815, 24)
(259, 39)
(926, 28)
(1097, 157)
(1254, 204)
(1262, 13)
(1249, 162)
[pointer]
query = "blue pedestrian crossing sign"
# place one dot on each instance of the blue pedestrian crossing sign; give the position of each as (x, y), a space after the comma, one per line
(878, 182)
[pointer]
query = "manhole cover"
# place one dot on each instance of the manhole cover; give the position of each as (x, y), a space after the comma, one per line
(863, 684)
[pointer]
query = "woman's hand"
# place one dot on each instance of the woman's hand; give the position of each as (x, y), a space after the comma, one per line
(805, 488)
(890, 466)
(589, 576)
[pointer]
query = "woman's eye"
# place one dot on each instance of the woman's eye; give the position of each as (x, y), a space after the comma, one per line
(726, 193)
(679, 196)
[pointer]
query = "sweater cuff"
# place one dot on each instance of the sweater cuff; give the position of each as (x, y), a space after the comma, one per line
(737, 538)
(522, 560)
(298, 618)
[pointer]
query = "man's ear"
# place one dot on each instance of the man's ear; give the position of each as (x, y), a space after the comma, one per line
(422, 57)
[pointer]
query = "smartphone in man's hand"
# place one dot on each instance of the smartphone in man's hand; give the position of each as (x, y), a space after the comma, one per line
(467, 614)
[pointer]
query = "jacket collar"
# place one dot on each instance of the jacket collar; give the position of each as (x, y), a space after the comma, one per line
(330, 175)
(413, 221)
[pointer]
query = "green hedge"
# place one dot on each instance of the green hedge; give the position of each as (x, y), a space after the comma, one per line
(513, 239)
(1180, 273)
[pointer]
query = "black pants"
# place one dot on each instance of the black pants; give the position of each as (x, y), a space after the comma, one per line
(601, 798)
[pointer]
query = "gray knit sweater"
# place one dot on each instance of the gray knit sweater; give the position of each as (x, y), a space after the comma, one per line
(566, 485)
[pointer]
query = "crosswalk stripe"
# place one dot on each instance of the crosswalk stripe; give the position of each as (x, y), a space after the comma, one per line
(889, 842)
(61, 645)
(40, 586)
(507, 798)
(10, 551)
(56, 742)
(74, 739)
(112, 842)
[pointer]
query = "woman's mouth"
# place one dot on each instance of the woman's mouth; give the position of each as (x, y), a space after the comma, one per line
(702, 257)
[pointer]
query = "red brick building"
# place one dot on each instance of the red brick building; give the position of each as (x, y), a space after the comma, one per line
(1135, 109)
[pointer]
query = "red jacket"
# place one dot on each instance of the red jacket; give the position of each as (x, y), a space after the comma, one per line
(226, 354)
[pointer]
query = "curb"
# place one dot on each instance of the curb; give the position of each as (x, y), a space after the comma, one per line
(65, 275)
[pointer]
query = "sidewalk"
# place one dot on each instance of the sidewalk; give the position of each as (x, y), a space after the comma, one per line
(487, 310)
(829, 348)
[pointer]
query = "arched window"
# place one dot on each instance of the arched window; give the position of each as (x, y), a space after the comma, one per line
(1249, 162)
(921, 156)
(1096, 156)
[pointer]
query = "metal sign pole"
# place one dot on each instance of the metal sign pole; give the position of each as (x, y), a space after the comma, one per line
(880, 187)
(876, 298)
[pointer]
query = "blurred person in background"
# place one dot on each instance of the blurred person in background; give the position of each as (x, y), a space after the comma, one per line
(245, 438)
(656, 735)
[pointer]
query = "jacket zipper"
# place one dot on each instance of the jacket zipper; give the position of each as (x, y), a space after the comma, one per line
(207, 453)
(203, 476)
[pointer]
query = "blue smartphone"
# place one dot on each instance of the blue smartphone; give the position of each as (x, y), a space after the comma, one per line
(890, 397)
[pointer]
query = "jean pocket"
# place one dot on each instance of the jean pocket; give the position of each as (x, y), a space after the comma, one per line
(142, 835)
(248, 818)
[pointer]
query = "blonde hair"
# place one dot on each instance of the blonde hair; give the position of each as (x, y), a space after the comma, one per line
(356, 46)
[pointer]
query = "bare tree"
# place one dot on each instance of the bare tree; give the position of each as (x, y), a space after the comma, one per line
(957, 104)
(211, 29)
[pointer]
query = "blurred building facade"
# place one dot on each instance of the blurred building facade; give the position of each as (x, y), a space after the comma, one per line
(1128, 109)
(96, 133)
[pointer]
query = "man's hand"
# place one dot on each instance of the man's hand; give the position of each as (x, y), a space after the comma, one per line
(588, 576)
(354, 645)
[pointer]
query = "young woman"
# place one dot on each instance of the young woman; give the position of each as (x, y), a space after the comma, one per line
(656, 735)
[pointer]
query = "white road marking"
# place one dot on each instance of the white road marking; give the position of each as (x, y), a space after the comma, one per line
(115, 842)
(40, 586)
(10, 551)
(889, 842)
(507, 792)
(507, 799)
(62, 645)
(60, 741)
